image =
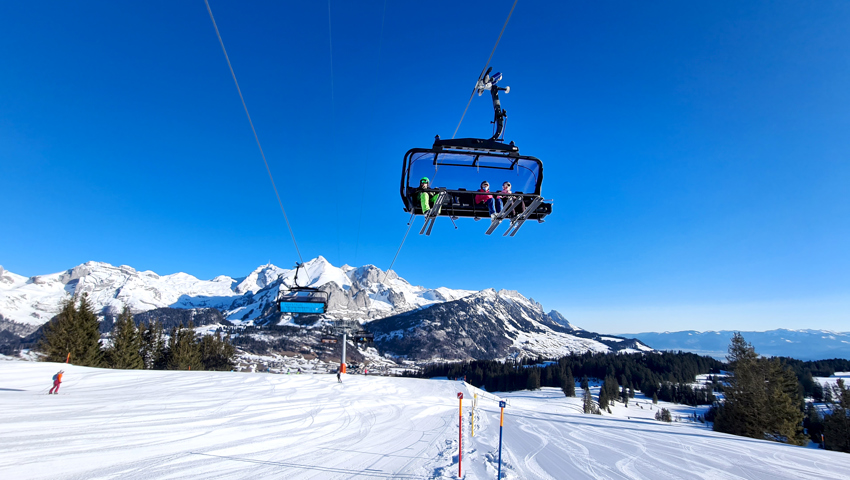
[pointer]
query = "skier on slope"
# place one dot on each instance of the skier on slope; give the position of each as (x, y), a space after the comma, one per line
(57, 380)
(339, 375)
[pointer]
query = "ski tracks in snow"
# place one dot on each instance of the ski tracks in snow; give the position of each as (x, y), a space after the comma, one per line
(226, 426)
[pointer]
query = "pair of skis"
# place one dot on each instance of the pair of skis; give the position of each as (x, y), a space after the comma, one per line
(516, 222)
(443, 198)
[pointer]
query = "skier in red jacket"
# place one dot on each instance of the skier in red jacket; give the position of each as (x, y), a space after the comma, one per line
(57, 380)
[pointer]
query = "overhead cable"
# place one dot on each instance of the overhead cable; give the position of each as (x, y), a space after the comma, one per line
(279, 201)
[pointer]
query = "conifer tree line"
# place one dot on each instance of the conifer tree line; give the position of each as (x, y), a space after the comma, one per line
(762, 398)
(807, 370)
(638, 371)
(75, 334)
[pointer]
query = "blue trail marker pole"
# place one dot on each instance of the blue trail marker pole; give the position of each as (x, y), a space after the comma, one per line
(501, 424)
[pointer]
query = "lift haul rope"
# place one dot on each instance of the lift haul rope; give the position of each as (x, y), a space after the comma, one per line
(461, 120)
(226, 57)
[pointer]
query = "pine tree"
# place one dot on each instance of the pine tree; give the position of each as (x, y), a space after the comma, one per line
(836, 425)
(655, 399)
(813, 422)
(585, 383)
(183, 351)
(74, 331)
(153, 345)
(784, 417)
(741, 412)
(568, 384)
(218, 353)
(603, 399)
(587, 402)
(90, 353)
(533, 382)
(663, 415)
(761, 398)
(125, 351)
(57, 339)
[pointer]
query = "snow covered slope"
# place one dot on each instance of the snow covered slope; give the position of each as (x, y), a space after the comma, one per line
(172, 424)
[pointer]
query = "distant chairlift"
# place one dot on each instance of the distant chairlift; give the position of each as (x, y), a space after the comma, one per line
(460, 165)
(302, 300)
(362, 336)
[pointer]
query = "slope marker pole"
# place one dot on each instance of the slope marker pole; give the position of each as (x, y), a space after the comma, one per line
(459, 433)
(501, 424)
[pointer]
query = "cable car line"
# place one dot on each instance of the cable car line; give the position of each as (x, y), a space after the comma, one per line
(409, 225)
(481, 76)
(279, 201)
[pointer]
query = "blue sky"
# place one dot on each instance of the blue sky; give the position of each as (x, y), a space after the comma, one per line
(697, 153)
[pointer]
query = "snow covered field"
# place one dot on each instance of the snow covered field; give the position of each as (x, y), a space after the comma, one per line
(223, 425)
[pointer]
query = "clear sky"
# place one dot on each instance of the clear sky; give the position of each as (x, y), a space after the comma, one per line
(698, 153)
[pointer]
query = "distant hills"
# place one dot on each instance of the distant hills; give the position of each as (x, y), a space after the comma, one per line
(800, 344)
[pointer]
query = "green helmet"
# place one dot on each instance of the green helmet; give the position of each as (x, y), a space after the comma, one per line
(424, 180)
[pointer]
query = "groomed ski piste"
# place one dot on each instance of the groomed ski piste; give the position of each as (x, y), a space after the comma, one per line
(133, 424)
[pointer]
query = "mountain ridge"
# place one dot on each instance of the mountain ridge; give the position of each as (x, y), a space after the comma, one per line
(443, 323)
(803, 344)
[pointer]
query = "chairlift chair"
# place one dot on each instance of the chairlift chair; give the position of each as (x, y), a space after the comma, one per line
(302, 300)
(462, 164)
(363, 336)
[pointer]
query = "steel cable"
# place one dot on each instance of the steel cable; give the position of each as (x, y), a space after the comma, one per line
(279, 201)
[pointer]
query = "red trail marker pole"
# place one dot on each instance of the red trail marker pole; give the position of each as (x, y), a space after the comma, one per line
(459, 433)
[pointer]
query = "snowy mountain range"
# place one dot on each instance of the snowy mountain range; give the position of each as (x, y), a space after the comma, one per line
(361, 293)
(410, 321)
(800, 344)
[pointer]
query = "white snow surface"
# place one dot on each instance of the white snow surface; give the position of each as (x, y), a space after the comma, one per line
(224, 425)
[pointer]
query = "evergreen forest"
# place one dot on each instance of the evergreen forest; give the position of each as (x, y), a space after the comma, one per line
(74, 336)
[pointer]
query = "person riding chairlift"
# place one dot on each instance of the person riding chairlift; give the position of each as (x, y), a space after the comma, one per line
(506, 189)
(426, 199)
(494, 205)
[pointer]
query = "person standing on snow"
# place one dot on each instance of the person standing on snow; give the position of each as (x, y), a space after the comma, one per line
(57, 380)
(338, 376)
